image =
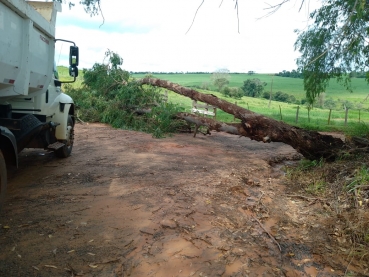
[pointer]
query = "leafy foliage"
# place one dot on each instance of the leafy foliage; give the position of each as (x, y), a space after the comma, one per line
(232, 92)
(220, 78)
(106, 78)
(281, 97)
(284, 97)
(330, 104)
(334, 45)
(355, 74)
(109, 96)
(292, 74)
(253, 87)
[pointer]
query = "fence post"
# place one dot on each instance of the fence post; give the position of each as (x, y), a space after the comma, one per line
(329, 116)
(359, 115)
(346, 114)
(297, 114)
(309, 114)
(280, 111)
(234, 117)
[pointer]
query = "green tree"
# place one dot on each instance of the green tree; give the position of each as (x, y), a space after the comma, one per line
(266, 95)
(330, 104)
(220, 78)
(321, 100)
(106, 78)
(347, 104)
(253, 87)
(232, 92)
(334, 45)
(281, 96)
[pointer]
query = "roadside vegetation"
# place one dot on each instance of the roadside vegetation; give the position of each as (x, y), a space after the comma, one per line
(341, 189)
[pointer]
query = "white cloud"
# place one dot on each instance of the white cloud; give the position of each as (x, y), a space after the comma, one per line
(150, 35)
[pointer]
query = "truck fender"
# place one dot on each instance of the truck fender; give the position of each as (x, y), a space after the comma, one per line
(61, 117)
(8, 146)
(65, 99)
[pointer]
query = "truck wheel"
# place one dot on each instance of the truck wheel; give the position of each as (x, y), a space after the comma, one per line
(66, 150)
(3, 178)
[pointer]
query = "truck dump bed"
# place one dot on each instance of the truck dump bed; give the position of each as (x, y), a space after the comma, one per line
(27, 33)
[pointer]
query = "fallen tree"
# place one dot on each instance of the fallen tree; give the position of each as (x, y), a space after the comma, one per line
(312, 145)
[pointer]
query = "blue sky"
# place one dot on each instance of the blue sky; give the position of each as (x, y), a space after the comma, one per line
(150, 35)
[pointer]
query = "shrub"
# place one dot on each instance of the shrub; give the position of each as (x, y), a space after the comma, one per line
(253, 87)
(109, 96)
(281, 96)
(232, 92)
(266, 95)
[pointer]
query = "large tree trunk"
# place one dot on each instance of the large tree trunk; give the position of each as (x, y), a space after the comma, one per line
(310, 144)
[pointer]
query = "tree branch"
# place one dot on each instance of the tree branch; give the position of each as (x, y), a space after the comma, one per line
(193, 20)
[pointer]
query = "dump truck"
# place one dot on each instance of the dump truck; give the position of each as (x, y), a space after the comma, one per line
(34, 112)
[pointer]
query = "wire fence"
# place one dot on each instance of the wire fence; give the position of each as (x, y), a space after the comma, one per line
(303, 114)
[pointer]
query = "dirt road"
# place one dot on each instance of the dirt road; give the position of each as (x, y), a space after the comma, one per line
(125, 204)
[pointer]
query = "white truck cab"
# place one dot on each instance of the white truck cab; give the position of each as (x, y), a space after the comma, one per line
(34, 112)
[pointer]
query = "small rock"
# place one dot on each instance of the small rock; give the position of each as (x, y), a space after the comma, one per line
(224, 248)
(238, 252)
(168, 223)
(147, 231)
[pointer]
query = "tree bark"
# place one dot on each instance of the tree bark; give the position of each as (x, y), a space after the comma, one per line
(312, 145)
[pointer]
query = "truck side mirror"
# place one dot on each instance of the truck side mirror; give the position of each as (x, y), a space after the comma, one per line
(73, 56)
(73, 71)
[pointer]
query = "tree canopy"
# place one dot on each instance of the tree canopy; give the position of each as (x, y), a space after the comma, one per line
(253, 87)
(220, 78)
(334, 45)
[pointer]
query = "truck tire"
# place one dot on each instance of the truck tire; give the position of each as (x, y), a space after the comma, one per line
(66, 150)
(3, 178)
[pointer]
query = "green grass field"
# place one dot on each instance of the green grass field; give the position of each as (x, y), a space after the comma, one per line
(316, 118)
(291, 86)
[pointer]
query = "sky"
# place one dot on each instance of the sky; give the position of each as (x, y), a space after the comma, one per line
(155, 35)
